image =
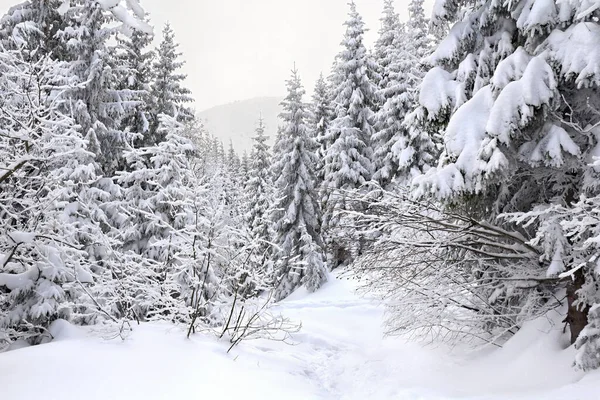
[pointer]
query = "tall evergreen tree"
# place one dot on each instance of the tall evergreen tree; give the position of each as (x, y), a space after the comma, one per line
(389, 50)
(160, 175)
(388, 44)
(158, 196)
(233, 160)
(137, 78)
(348, 163)
(220, 151)
(403, 146)
(169, 96)
(32, 28)
(259, 199)
(51, 221)
(244, 166)
(320, 121)
(98, 103)
(298, 257)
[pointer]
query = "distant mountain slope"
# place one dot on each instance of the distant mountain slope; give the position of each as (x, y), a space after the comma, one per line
(237, 121)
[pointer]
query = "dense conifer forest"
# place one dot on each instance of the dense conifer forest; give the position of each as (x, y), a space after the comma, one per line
(452, 168)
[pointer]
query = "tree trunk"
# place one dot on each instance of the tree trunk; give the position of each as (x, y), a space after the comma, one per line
(577, 316)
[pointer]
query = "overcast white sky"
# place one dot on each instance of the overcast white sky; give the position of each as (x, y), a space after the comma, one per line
(239, 49)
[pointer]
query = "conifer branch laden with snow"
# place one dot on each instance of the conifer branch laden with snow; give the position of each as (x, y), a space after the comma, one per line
(514, 99)
(298, 258)
(322, 114)
(403, 146)
(259, 200)
(168, 95)
(49, 206)
(349, 158)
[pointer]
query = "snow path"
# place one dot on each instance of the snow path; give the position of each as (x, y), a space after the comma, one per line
(343, 350)
(340, 354)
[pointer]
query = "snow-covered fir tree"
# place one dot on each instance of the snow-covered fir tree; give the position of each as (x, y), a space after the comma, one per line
(259, 200)
(98, 103)
(514, 88)
(348, 162)
(137, 79)
(403, 146)
(169, 95)
(220, 151)
(320, 121)
(157, 172)
(233, 160)
(389, 52)
(158, 191)
(50, 213)
(31, 27)
(388, 44)
(244, 166)
(416, 146)
(298, 255)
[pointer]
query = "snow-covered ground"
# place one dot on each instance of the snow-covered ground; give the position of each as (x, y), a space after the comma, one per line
(340, 353)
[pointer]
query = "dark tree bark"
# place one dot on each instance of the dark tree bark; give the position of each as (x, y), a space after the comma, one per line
(577, 316)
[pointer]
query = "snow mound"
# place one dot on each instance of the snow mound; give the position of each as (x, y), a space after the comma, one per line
(63, 330)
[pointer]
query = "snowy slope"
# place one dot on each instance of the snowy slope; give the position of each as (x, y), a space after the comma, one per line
(237, 121)
(339, 354)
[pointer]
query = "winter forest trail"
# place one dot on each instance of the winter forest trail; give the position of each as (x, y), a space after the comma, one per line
(343, 346)
(340, 353)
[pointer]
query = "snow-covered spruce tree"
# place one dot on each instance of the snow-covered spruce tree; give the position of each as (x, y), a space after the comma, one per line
(320, 120)
(220, 152)
(233, 185)
(388, 44)
(158, 195)
(244, 166)
(298, 257)
(49, 213)
(403, 147)
(233, 160)
(31, 27)
(391, 63)
(97, 103)
(137, 77)
(168, 94)
(348, 163)
(514, 87)
(259, 201)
